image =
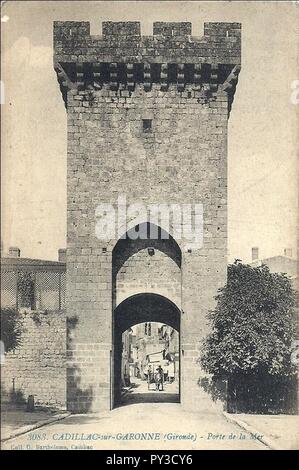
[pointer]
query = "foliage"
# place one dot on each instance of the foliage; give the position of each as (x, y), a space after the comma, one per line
(253, 325)
(10, 329)
(26, 289)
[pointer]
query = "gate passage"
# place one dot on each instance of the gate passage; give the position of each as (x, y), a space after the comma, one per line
(147, 118)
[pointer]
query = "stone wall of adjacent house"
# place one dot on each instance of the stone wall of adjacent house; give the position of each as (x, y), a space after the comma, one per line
(38, 365)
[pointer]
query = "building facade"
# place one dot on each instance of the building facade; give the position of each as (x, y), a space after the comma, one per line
(153, 342)
(35, 290)
(127, 357)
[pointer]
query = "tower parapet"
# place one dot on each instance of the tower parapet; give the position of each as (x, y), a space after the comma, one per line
(170, 56)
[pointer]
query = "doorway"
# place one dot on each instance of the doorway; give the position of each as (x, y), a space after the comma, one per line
(146, 336)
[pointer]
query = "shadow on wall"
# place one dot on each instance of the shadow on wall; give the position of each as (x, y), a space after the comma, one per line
(79, 400)
(12, 397)
(11, 336)
(154, 397)
(11, 332)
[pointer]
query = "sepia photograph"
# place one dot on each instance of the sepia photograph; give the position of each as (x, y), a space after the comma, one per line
(149, 227)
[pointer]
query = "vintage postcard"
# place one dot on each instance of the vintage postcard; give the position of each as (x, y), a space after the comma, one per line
(149, 247)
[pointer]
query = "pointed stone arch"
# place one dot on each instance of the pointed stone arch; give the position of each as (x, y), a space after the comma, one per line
(151, 264)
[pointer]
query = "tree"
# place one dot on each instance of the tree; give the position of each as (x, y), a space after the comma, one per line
(10, 329)
(253, 328)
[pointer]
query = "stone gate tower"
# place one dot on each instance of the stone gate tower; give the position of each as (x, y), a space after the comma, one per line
(147, 122)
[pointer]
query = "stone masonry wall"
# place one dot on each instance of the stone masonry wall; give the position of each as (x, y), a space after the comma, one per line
(183, 160)
(143, 273)
(38, 366)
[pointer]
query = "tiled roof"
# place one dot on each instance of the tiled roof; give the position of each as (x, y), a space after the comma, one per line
(11, 264)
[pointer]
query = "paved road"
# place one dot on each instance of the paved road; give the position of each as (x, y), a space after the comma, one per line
(164, 426)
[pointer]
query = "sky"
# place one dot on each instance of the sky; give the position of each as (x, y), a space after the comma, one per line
(263, 125)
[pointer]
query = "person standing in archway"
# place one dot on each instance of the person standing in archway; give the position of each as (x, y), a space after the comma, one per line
(159, 379)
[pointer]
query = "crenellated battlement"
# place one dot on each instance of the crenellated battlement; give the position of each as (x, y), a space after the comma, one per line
(121, 29)
(170, 56)
(64, 29)
(170, 42)
(68, 29)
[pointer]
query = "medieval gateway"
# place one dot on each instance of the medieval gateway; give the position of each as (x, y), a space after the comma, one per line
(147, 118)
(147, 125)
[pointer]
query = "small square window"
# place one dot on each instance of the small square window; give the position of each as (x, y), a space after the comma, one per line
(147, 125)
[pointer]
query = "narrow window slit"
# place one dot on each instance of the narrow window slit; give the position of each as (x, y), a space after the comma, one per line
(147, 125)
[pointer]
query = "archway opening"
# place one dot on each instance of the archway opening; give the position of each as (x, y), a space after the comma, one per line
(146, 350)
(146, 265)
(149, 235)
